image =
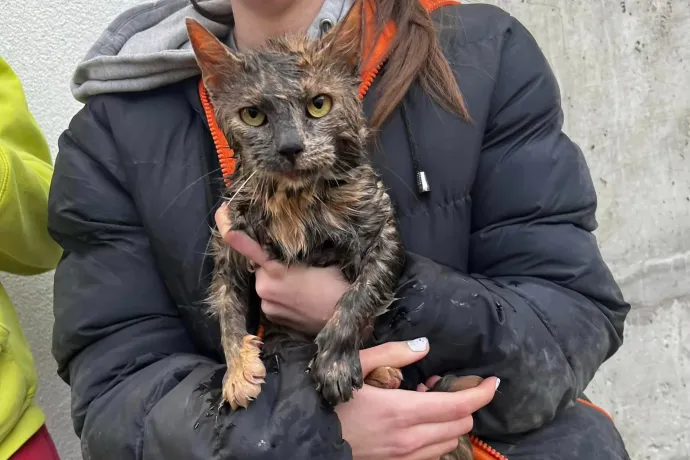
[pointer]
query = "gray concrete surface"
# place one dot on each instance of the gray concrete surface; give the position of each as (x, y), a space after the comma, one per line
(624, 69)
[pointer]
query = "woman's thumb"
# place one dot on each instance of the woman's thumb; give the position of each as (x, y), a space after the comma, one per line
(393, 354)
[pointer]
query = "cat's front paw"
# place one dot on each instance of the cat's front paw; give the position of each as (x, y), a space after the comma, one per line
(337, 376)
(245, 374)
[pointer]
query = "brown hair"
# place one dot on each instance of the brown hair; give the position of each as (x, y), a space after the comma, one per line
(415, 54)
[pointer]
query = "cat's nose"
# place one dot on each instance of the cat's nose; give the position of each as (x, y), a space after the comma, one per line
(291, 150)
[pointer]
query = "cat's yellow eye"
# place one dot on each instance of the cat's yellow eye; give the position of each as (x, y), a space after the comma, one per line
(252, 116)
(319, 106)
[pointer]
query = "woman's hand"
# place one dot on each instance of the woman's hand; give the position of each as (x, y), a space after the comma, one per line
(384, 424)
(299, 297)
(379, 424)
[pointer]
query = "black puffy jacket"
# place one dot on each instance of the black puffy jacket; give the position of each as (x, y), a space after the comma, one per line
(503, 273)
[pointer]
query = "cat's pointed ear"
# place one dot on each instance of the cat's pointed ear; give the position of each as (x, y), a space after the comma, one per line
(343, 42)
(214, 58)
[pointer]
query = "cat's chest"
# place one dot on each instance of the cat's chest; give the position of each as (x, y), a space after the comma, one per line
(306, 227)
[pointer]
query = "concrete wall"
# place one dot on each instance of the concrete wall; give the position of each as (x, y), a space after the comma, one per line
(624, 68)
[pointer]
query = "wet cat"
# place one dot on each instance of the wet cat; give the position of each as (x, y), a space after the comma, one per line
(305, 189)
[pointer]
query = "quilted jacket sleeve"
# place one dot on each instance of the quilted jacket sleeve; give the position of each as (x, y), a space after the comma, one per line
(140, 390)
(539, 309)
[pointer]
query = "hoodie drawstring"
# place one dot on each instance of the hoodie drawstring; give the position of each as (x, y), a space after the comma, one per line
(420, 175)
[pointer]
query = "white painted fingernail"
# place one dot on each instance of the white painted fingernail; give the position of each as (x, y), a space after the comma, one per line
(498, 382)
(420, 344)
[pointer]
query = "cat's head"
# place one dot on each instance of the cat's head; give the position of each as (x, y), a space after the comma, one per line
(291, 109)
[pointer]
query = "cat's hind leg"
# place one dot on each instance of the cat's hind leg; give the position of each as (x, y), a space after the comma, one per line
(452, 383)
(384, 377)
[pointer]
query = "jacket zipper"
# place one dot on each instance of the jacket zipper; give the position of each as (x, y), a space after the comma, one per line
(226, 156)
(483, 451)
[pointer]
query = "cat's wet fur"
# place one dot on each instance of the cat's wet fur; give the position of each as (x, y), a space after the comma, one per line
(305, 189)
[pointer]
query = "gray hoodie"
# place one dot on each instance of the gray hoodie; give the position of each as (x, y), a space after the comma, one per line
(147, 46)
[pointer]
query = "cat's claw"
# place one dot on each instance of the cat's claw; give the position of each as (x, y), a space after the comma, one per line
(243, 379)
(337, 378)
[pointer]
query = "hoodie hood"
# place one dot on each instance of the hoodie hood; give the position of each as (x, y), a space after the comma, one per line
(147, 46)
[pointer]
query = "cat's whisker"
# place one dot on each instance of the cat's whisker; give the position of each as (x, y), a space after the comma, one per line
(319, 198)
(340, 169)
(185, 189)
(402, 181)
(264, 186)
(241, 187)
(207, 252)
(259, 186)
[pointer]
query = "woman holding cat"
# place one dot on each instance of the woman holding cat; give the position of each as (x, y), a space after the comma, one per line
(495, 207)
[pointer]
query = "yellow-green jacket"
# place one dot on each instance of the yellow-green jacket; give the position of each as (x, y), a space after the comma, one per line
(25, 249)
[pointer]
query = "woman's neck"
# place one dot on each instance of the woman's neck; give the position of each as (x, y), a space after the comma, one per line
(257, 21)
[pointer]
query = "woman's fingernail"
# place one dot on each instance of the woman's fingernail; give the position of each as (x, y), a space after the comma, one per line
(498, 382)
(420, 344)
